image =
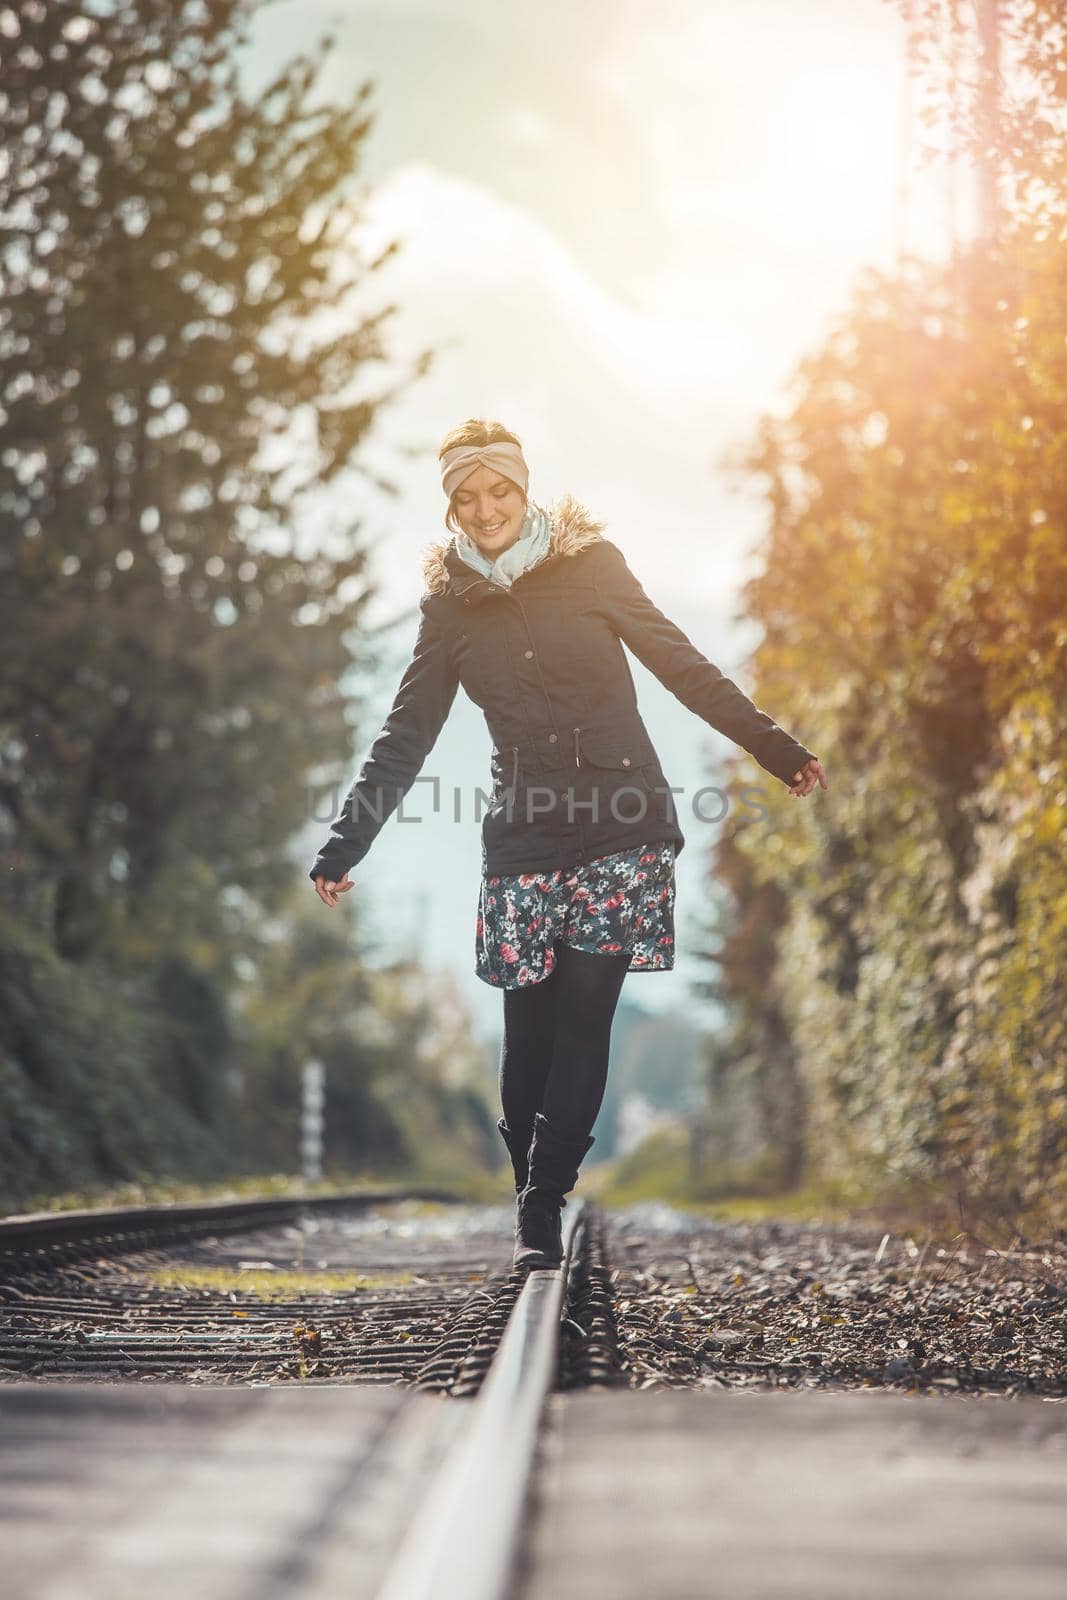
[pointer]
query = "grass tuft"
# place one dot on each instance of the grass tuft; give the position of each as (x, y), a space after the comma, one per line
(271, 1284)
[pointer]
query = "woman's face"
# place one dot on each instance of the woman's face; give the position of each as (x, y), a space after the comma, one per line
(490, 510)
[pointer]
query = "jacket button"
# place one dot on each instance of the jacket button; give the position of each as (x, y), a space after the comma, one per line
(527, 654)
(626, 761)
(552, 738)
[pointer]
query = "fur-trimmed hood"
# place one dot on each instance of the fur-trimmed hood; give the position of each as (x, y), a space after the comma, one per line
(572, 529)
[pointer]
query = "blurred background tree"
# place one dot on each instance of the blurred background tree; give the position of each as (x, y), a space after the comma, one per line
(894, 965)
(175, 664)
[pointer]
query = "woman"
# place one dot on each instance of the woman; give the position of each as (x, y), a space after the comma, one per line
(529, 610)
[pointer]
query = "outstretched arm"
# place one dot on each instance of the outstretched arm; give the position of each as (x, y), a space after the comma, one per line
(668, 652)
(419, 712)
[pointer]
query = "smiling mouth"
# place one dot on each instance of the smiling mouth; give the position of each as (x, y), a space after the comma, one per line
(494, 529)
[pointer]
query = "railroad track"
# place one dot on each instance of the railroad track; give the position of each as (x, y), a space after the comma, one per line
(64, 1281)
(364, 1480)
(54, 1236)
(261, 1292)
(251, 1291)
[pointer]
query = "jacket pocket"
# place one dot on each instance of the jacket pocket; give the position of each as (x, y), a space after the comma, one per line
(616, 764)
(626, 750)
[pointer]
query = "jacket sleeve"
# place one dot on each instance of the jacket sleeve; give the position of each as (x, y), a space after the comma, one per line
(420, 709)
(668, 652)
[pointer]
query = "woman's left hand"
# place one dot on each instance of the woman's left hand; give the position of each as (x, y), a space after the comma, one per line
(805, 779)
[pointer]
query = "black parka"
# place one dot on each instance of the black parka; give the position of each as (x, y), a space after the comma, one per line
(574, 773)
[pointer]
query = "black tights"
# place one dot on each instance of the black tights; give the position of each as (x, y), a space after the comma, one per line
(557, 1034)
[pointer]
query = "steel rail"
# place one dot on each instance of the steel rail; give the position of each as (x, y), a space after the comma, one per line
(48, 1229)
(463, 1538)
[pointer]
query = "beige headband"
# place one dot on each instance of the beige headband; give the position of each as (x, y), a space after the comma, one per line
(460, 463)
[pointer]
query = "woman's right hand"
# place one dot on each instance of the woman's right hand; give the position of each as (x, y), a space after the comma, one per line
(330, 892)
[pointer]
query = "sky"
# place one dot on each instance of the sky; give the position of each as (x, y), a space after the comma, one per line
(620, 230)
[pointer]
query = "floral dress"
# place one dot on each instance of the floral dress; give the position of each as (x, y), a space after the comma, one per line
(618, 902)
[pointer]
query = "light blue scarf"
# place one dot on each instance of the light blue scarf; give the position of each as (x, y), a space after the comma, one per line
(529, 548)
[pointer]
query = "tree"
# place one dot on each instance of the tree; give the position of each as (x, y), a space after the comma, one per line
(181, 358)
(912, 594)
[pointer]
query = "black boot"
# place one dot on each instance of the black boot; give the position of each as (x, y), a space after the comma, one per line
(554, 1164)
(519, 1150)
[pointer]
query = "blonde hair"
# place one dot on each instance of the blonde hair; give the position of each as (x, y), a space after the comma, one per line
(476, 430)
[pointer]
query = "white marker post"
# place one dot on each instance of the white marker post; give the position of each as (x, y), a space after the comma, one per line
(312, 1120)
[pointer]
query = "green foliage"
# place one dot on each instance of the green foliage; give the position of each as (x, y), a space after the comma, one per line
(400, 1061)
(144, 1081)
(179, 360)
(186, 362)
(657, 1169)
(662, 1168)
(653, 1056)
(893, 957)
(87, 1084)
